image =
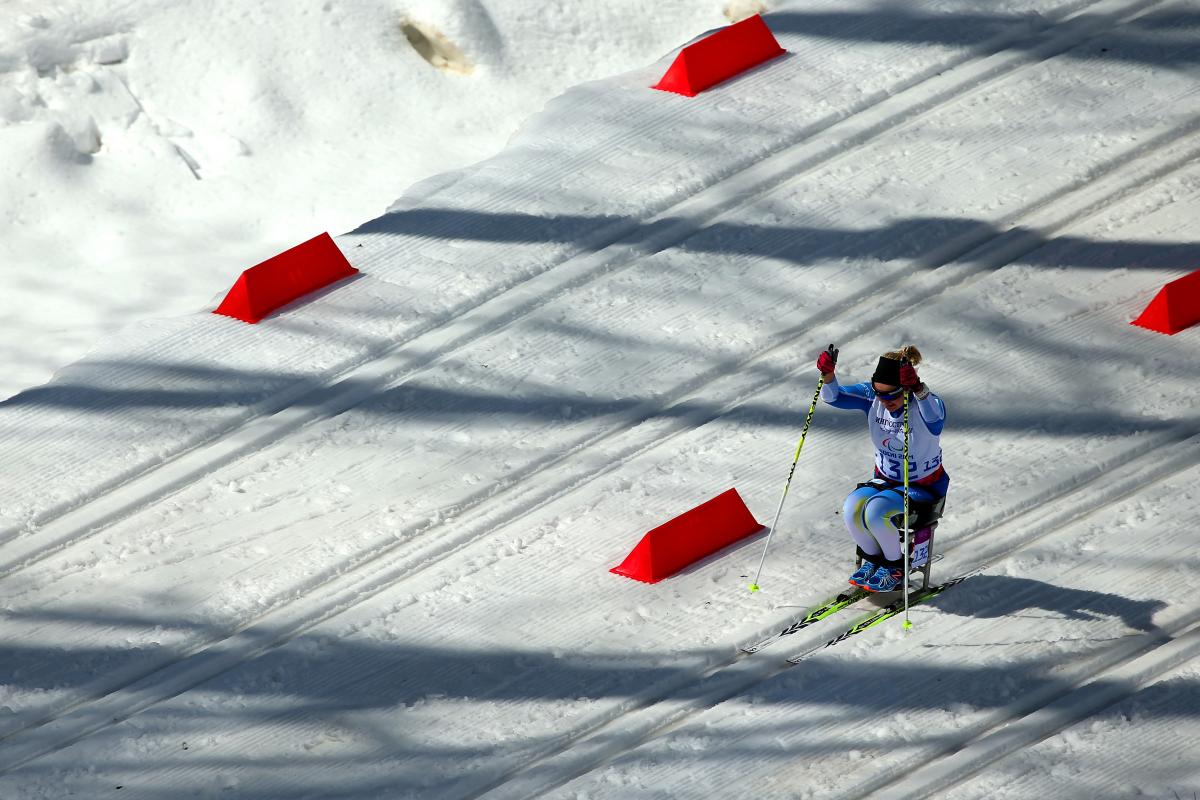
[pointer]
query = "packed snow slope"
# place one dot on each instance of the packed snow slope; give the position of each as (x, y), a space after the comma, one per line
(361, 549)
(150, 150)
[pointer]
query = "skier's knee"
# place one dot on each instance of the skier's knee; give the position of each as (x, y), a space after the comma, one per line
(879, 512)
(852, 509)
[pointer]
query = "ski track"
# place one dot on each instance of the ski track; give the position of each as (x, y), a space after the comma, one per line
(106, 511)
(322, 398)
(1107, 675)
(1153, 761)
(125, 710)
(959, 263)
(1132, 666)
(611, 738)
(349, 583)
(720, 682)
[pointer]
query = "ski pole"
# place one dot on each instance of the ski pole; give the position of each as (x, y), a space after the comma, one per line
(807, 421)
(904, 545)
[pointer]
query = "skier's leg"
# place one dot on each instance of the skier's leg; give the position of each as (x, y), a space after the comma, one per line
(853, 515)
(877, 517)
(868, 548)
(884, 516)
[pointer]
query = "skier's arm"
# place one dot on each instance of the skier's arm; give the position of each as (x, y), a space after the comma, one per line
(932, 411)
(852, 397)
(929, 406)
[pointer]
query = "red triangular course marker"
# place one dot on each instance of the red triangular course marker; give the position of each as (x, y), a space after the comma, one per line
(1176, 307)
(284, 278)
(691, 536)
(719, 56)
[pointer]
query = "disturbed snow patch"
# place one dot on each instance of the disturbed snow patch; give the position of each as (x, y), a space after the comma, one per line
(738, 10)
(433, 46)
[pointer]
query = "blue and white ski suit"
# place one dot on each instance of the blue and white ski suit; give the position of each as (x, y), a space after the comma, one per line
(868, 510)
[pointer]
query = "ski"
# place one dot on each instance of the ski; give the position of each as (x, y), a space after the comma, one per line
(814, 615)
(892, 609)
(827, 609)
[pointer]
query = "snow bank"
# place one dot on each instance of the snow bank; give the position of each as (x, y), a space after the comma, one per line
(151, 151)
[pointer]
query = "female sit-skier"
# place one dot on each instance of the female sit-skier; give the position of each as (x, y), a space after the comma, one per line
(869, 510)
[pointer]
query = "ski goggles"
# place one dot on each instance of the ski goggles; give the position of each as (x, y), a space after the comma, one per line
(897, 394)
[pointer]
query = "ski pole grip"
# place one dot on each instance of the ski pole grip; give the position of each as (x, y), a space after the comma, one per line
(833, 353)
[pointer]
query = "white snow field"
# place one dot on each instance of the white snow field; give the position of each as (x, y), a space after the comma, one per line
(181, 141)
(361, 549)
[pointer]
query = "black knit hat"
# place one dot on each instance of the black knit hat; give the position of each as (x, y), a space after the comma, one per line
(888, 371)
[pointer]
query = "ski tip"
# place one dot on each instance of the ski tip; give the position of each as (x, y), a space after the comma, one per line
(753, 588)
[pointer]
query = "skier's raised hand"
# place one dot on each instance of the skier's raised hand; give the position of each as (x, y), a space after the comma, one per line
(827, 362)
(909, 379)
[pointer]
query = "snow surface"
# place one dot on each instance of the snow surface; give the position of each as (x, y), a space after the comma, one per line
(150, 151)
(361, 549)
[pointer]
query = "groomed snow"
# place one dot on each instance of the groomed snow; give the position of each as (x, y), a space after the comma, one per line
(361, 550)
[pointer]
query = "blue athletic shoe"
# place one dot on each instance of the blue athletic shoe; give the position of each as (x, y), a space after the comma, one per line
(863, 574)
(885, 579)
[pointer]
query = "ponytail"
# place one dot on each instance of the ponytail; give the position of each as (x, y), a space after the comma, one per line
(909, 352)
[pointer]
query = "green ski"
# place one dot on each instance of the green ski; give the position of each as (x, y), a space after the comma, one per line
(892, 609)
(814, 615)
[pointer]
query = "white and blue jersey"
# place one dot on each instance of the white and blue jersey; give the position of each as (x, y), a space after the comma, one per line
(887, 430)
